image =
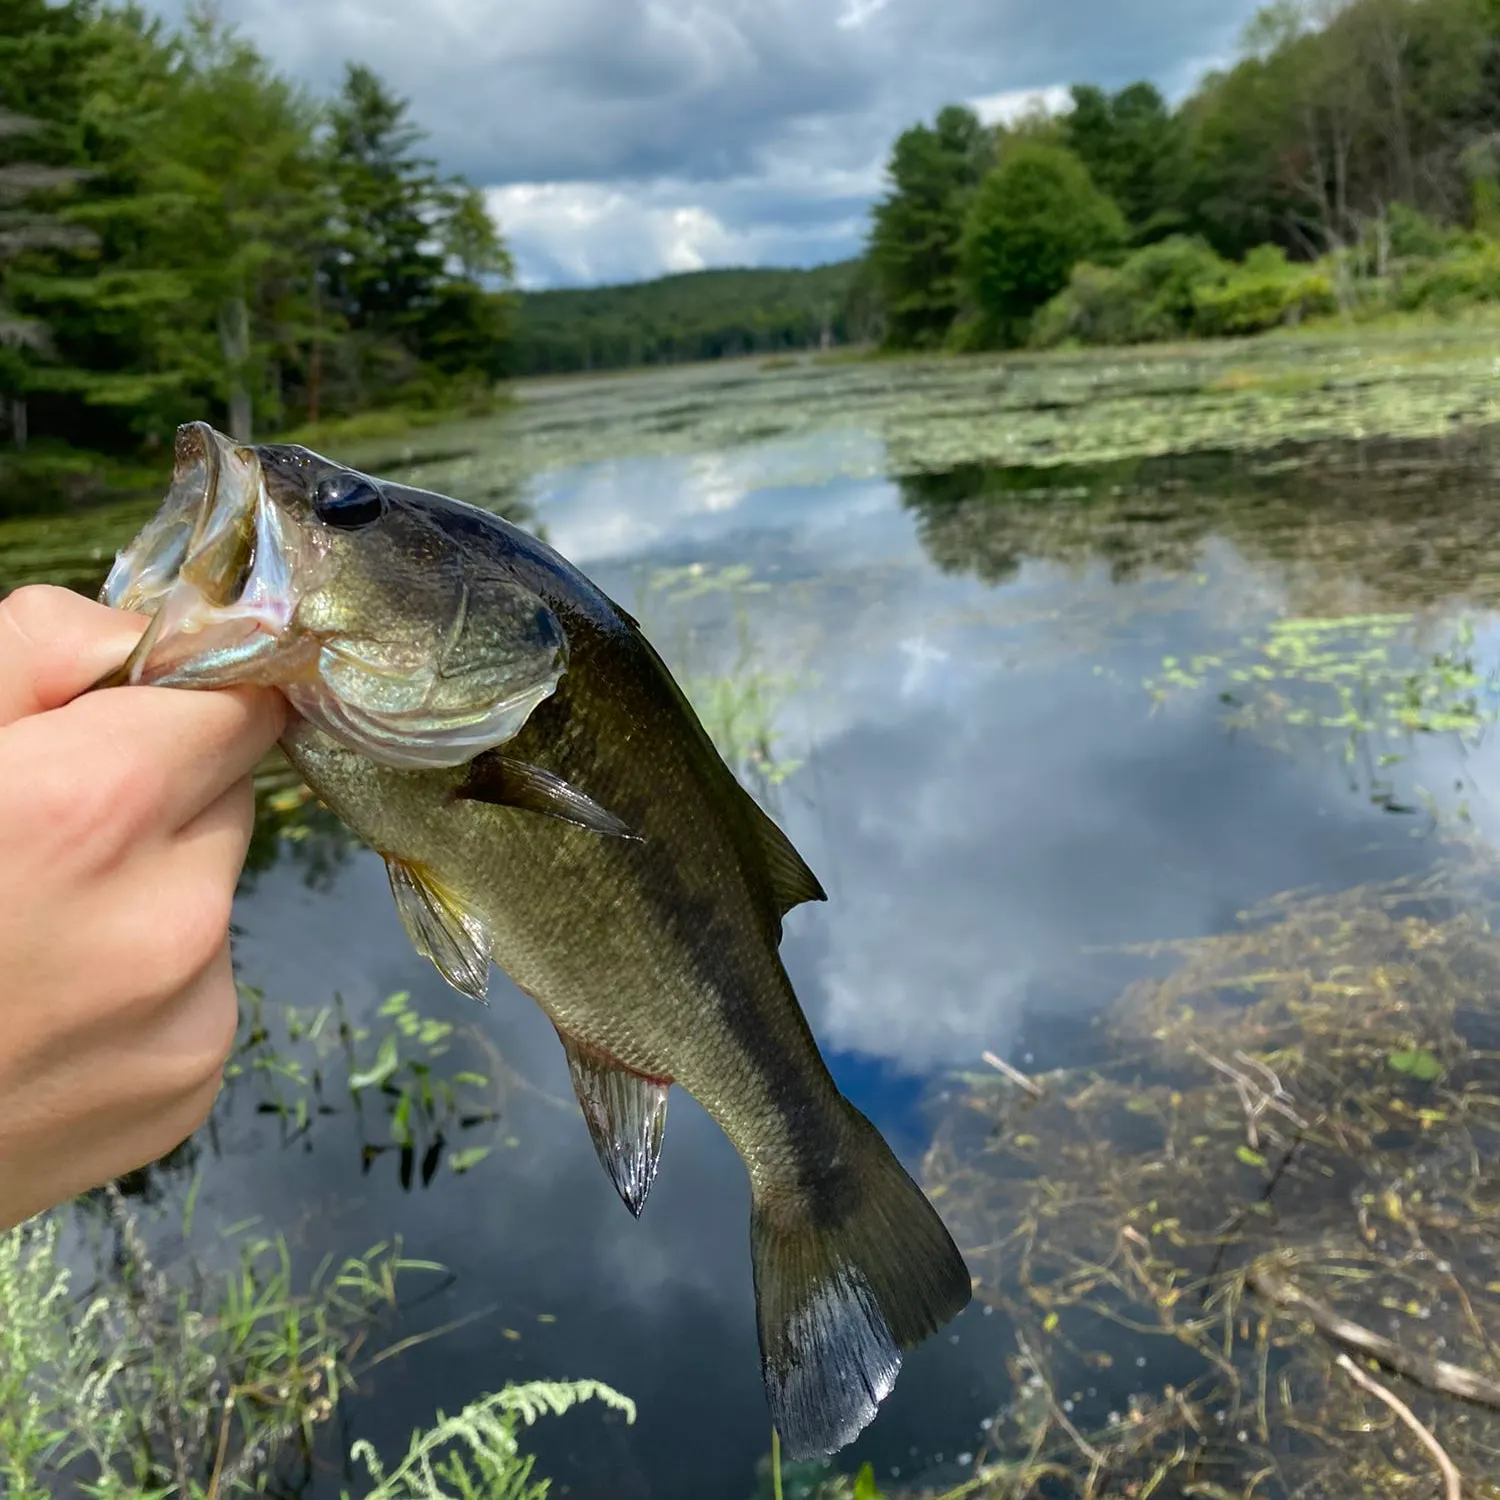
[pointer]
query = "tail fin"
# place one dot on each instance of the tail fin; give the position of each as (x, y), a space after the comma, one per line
(843, 1284)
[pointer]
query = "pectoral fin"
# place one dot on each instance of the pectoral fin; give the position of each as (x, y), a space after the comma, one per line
(626, 1114)
(441, 928)
(506, 782)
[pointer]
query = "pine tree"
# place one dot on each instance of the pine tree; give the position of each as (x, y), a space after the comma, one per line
(917, 227)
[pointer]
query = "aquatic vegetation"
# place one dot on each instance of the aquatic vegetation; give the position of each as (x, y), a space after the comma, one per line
(1340, 528)
(1288, 1157)
(933, 413)
(145, 1386)
(188, 1383)
(812, 1479)
(1361, 680)
(305, 1065)
(73, 549)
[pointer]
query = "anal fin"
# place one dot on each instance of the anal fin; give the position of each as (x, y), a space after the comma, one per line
(626, 1114)
(442, 928)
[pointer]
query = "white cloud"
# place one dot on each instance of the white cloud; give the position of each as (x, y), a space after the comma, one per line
(597, 233)
(601, 232)
(858, 12)
(1015, 104)
(632, 137)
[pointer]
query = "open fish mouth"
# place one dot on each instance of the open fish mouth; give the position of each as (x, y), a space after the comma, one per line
(217, 570)
(239, 577)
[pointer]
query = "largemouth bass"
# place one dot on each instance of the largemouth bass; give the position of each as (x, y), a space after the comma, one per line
(545, 799)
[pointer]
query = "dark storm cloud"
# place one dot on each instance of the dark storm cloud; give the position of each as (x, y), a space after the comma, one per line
(758, 115)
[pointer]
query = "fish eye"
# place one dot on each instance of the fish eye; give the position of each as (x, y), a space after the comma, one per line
(348, 501)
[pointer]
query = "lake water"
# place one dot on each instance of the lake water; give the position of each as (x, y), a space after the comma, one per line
(1019, 722)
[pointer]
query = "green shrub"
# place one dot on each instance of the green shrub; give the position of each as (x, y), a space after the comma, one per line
(1457, 280)
(1413, 236)
(140, 1393)
(1034, 217)
(1152, 296)
(1094, 308)
(1265, 292)
(151, 1385)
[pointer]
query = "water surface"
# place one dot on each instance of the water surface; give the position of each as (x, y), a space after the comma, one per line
(945, 696)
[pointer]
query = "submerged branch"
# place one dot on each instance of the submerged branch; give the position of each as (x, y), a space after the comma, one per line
(1452, 1485)
(1015, 1075)
(1434, 1374)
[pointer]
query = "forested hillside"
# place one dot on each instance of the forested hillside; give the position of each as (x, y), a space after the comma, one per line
(697, 315)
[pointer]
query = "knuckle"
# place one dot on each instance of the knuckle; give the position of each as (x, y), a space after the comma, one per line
(239, 805)
(189, 1060)
(82, 818)
(178, 1118)
(176, 943)
(131, 788)
(268, 710)
(31, 612)
(198, 1064)
(198, 1106)
(195, 938)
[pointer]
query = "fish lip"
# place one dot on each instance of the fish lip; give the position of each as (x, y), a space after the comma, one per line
(143, 572)
(214, 570)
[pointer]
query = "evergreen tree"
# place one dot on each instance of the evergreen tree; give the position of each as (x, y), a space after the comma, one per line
(1132, 145)
(386, 259)
(38, 58)
(26, 230)
(917, 227)
(233, 173)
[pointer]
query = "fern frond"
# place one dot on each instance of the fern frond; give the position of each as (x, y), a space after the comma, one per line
(487, 1430)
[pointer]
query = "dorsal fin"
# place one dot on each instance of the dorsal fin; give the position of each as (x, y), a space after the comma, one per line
(787, 876)
(791, 881)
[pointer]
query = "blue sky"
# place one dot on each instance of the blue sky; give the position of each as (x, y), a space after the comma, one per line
(619, 139)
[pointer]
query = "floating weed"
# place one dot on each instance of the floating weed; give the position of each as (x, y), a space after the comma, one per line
(1416, 1062)
(695, 580)
(1290, 1158)
(926, 415)
(1359, 678)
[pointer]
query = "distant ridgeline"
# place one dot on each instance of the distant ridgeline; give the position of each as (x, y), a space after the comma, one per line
(694, 316)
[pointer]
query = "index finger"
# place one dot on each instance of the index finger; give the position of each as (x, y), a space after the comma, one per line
(200, 741)
(54, 644)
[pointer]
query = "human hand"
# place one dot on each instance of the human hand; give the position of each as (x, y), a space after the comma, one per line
(124, 819)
